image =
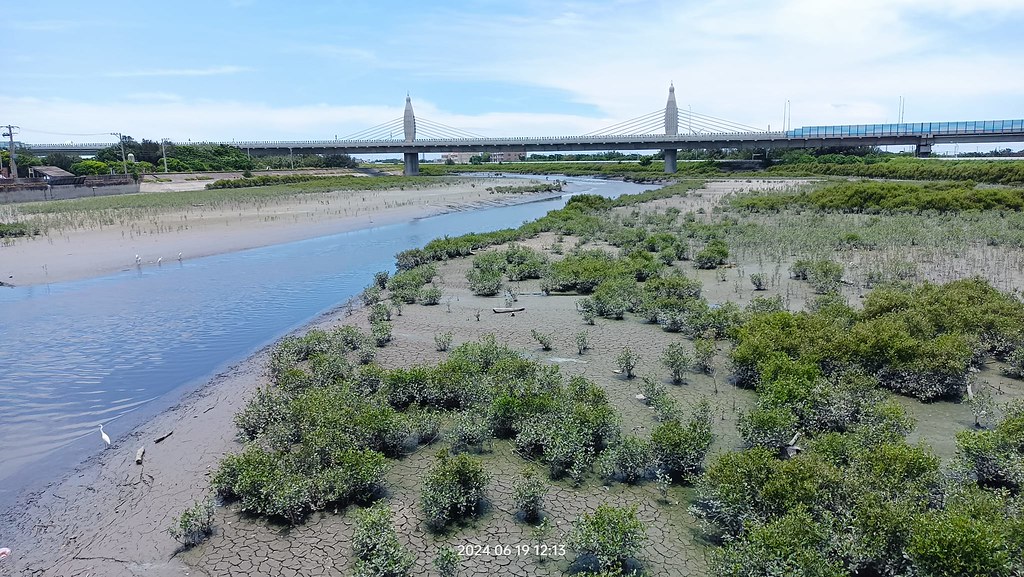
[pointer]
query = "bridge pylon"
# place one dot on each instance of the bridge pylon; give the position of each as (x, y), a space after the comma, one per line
(412, 158)
(671, 129)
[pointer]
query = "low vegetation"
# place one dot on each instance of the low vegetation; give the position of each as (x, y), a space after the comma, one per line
(876, 197)
(194, 524)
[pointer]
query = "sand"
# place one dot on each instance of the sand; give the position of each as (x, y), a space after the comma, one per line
(197, 231)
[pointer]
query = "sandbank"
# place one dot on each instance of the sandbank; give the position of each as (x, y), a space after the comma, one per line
(85, 250)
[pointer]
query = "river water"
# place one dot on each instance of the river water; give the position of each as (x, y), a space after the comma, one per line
(114, 349)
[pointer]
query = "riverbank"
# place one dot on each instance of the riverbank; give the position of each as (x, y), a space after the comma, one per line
(78, 250)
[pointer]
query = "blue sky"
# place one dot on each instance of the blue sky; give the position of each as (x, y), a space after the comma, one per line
(267, 69)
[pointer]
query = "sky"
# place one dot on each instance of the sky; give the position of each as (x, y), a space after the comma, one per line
(226, 70)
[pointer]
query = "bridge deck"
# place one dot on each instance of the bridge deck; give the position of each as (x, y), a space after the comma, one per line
(924, 133)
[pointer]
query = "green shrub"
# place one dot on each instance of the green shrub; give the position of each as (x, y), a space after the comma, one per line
(770, 428)
(714, 255)
(289, 485)
(470, 431)
(452, 489)
(825, 276)
(194, 524)
(995, 458)
(375, 545)
(447, 562)
(484, 282)
(677, 361)
(442, 341)
(630, 460)
(587, 310)
(544, 339)
(268, 408)
(794, 544)
(405, 285)
(758, 280)
(1015, 364)
(615, 297)
(763, 305)
(528, 496)
(371, 295)
(627, 361)
(679, 448)
(704, 354)
(430, 296)
(612, 535)
(582, 342)
(380, 279)
(380, 312)
(969, 537)
(564, 428)
(381, 332)
(583, 271)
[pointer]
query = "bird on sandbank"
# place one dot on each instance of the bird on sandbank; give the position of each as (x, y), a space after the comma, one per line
(106, 437)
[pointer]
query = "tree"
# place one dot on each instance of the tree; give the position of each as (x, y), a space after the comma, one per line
(340, 161)
(90, 167)
(60, 160)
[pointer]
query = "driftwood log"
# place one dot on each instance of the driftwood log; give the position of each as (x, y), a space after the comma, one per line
(164, 436)
(139, 454)
(508, 309)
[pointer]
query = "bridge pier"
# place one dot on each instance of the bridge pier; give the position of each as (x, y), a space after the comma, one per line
(412, 164)
(670, 160)
(923, 149)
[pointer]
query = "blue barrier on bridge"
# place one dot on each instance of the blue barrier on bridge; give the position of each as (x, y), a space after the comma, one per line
(970, 127)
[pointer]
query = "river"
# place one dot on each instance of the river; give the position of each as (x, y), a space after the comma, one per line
(116, 349)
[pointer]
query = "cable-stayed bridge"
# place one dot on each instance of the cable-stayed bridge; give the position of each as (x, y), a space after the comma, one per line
(669, 129)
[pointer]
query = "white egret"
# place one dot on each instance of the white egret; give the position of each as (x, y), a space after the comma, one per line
(792, 449)
(160, 261)
(179, 257)
(138, 260)
(106, 437)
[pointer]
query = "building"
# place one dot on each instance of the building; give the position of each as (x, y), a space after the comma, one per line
(49, 173)
(504, 156)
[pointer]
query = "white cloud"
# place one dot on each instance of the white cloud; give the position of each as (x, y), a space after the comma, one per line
(157, 116)
(743, 60)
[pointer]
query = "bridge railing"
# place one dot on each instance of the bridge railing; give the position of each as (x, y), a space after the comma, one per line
(966, 128)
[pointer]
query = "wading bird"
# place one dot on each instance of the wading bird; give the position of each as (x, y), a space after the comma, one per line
(106, 437)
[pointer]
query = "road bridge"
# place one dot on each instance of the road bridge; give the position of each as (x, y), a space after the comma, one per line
(668, 129)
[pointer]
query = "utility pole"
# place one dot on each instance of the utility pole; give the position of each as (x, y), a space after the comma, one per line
(124, 161)
(14, 161)
(163, 151)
